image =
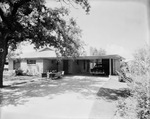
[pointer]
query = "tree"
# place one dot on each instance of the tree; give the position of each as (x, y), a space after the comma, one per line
(141, 63)
(17, 52)
(96, 52)
(136, 106)
(31, 20)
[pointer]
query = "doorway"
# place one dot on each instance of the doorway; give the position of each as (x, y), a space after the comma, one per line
(65, 66)
(105, 65)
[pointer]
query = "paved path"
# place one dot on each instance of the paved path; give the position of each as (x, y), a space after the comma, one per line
(73, 97)
(108, 94)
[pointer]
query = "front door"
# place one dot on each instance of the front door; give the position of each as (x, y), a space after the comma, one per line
(105, 65)
(65, 66)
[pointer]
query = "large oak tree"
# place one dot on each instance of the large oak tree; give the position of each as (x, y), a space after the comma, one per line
(31, 20)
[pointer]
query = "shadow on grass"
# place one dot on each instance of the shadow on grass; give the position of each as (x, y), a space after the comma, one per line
(113, 94)
(20, 93)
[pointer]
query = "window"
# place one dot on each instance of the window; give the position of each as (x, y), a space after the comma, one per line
(31, 61)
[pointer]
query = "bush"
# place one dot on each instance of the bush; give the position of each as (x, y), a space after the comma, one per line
(19, 72)
(137, 106)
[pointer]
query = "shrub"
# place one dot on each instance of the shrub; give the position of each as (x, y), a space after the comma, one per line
(137, 106)
(19, 72)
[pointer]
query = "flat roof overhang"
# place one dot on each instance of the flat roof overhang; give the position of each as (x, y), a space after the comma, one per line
(100, 57)
(76, 58)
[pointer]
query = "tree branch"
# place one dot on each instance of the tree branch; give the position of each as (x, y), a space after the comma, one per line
(4, 19)
(10, 3)
(2, 14)
(17, 5)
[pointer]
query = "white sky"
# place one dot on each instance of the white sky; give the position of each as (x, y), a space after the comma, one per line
(118, 27)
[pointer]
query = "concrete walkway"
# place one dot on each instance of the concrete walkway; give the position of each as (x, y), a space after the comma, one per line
(108, 95)
(73, 97)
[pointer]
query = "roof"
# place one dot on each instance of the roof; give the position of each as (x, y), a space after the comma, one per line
(44, 53)
(102, 57)
(48, 53)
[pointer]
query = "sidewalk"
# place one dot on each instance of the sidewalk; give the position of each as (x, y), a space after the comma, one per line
(108, 94)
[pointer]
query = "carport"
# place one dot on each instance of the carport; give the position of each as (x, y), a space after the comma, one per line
(110, 63)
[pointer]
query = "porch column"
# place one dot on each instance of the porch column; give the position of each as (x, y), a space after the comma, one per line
(110, 66)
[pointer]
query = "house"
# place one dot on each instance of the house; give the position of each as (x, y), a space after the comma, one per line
(45, 60)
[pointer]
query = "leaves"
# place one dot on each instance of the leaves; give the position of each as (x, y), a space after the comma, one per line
(31, 20)
(96, 52)
(140, 89)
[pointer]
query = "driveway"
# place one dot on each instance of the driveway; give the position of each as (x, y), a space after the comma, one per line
(72, 97)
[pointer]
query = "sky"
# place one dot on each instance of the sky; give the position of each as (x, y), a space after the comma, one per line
(118, 26)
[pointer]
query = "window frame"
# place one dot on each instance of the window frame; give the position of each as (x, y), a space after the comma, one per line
(31, 62)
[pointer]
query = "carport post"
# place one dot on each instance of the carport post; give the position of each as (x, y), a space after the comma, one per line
(110, 66)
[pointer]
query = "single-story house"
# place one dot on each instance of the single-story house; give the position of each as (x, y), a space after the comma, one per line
(46, 60)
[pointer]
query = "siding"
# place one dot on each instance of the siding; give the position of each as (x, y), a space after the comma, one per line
(49, 65)
(116, 65)
(60, 66)
(10, 65)
(32, 69)
(74, 66)
(78, 68)
(46, 65)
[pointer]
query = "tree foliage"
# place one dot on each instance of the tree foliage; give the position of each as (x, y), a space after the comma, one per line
(96, 52)
(137, 106)
(16, 52)
(31, 20)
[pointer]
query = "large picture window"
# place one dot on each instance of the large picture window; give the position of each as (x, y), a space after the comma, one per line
(31, 61)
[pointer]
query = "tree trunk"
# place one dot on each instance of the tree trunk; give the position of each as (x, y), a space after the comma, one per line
(3, 53)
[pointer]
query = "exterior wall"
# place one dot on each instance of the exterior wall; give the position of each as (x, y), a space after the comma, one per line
(32, 69)
(116, 65)
(39, 66)
(60, 66)
(74, 66)
(70, 67)
(46, 65)
(50, 64)
(11, 65)
(114, 70)
(24, 65)
(77, 67)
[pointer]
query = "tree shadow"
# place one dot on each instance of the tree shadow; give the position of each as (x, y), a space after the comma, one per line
(20, 93)
(113, 94)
